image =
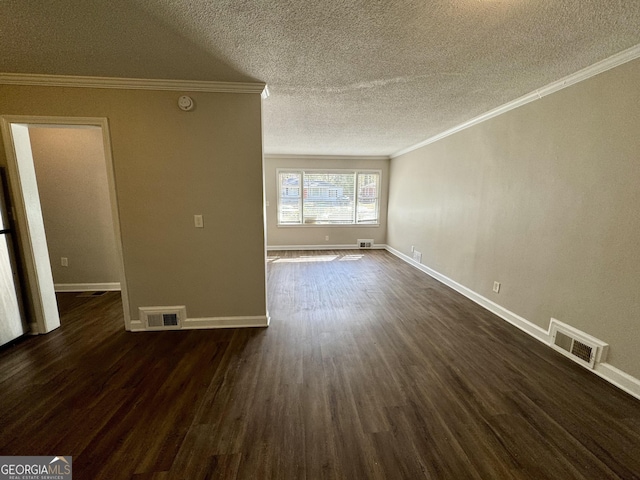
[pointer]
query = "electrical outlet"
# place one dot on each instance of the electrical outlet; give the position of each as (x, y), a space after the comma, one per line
(496, 287)
(326, 238)
(413, 248)
(64, 261)
(417, 256)
(198, 221)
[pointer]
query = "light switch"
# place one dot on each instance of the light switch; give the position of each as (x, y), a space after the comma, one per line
(198, 221)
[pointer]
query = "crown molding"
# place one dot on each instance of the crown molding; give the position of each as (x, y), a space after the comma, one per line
(129, 83)
(581, 75)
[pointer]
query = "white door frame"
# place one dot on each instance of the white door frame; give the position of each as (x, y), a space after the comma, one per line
(29, 215)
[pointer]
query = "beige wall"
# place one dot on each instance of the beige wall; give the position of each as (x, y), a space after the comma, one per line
(306, 235)
(543, 199)
(74, 197)
(170, 165)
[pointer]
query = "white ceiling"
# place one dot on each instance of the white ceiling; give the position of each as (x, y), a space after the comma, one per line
(347, 77)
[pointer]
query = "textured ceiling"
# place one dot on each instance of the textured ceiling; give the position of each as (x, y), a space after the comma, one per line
(367, 77)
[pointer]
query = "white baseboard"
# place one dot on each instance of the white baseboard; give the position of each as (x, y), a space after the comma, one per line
(617, 377)
(87, 287)
(136, 326)
(226, 322)
(209, 323)
(613, 375)
(324, 247)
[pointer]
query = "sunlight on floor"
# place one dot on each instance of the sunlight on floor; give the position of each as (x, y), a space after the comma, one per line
(315, 258)
(351, 258)
(307, 259)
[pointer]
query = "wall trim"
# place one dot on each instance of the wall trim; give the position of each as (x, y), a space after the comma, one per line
(353, 246)
(613, 375)
(87, 287)
(618, 378)
(607, 64)
(43, 80)
(136, 326)
(210, 323)
(291, 156)
(226, 322)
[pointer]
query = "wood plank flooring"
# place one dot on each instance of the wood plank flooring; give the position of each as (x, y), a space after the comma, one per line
(370, 370)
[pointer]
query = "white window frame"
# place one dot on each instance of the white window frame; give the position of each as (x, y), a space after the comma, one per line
(302, 171)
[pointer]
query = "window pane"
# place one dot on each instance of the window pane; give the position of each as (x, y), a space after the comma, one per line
(328, 197)
(290, 206)
(368, 191)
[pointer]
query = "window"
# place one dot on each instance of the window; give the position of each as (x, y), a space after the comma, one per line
(336, 197)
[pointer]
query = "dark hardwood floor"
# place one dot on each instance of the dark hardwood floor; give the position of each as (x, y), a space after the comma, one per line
(370, 370)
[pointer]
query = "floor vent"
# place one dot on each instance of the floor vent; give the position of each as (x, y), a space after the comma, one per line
(577, 345)
(163, 318)
(365, 243)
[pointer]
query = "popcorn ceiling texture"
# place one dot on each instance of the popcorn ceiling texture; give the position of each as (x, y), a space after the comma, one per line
(346, 77)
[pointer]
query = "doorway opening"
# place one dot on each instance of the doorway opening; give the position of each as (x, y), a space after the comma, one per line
(62, 178)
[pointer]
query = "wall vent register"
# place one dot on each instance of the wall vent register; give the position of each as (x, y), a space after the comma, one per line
(163, 318)
(578, 346)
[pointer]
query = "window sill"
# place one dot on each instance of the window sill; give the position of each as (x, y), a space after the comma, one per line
(331, 225)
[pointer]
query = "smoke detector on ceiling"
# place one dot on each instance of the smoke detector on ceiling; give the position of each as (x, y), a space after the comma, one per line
(185, 103)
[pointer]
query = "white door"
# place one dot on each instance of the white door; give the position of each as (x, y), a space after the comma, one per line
(12, 323)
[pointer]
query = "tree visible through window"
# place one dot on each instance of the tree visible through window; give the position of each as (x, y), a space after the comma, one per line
(328, 197)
